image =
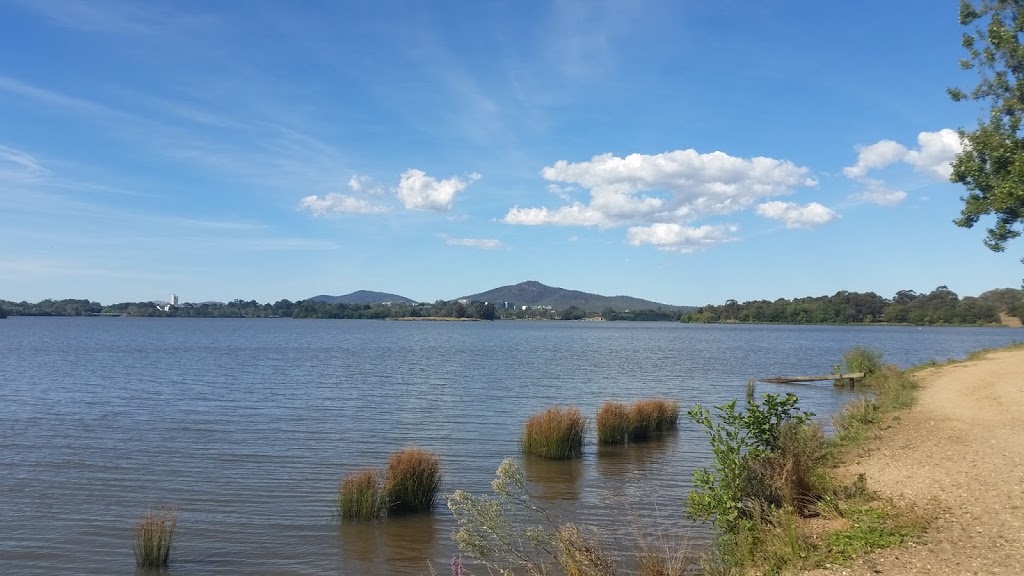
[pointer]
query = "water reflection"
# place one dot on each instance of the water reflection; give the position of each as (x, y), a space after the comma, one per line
(553, 480)
(618, 460)
(401, 544)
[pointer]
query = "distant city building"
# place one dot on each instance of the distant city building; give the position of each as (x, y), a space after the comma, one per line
(174, 299)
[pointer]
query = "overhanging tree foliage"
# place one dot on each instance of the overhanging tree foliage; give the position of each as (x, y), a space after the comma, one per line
(991, 165)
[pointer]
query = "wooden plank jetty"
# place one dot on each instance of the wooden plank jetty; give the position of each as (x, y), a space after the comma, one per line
(836, 379)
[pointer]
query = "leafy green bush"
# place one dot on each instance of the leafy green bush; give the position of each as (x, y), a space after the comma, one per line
(728, 493)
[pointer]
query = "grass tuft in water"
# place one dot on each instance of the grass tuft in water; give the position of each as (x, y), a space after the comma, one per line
(614, 423)
(555, 433)
(645, 419)
(412, 481)
(154, 535)
(361, 496)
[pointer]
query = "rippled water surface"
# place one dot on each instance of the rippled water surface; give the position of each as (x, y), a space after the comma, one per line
(246, 426)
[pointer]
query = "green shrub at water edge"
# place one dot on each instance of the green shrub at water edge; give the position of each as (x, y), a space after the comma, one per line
(154, 535)
(555, 433)
(741, 440)
(862, 359)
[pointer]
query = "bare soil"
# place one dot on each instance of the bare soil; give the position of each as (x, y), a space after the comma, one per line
(957, 457)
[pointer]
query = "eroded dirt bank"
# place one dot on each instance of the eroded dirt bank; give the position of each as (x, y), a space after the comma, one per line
(958, 455)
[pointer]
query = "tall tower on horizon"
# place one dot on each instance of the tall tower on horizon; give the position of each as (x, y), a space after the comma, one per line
(174, 299)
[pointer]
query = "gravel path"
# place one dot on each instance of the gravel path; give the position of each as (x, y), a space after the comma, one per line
(959, 457)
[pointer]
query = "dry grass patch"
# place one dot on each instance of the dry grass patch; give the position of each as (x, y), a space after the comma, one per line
(619, 423)
(555, 433)
(412, 481)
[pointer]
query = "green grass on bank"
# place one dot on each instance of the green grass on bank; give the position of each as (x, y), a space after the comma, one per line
(786, 507)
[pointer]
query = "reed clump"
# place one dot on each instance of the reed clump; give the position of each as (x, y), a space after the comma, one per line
(154, 536)
(361, 495)
(614, 423)
(412, 481)
(556, 433)
(619, 423)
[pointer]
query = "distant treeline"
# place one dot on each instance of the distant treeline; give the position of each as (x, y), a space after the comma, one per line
(941, 306)
(317, 309)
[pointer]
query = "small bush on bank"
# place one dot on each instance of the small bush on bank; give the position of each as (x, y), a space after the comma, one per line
(412, 481)
(361, 496)
(861, 359)
(555, 433)
(154, 535)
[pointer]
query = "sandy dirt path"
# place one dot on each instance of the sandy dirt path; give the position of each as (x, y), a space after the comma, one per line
(958, 455)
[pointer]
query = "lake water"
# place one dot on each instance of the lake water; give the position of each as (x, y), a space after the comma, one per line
(246, 426)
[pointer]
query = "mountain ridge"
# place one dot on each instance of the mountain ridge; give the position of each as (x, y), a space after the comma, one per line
(534, 293)
(362, 297)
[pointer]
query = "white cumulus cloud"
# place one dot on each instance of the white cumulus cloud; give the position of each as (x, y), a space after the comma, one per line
(678, 238)
(418, 191)
(933, 156)
(669, 187)
(796, 216)
(334, 203)
(481, 243)
(876, 192)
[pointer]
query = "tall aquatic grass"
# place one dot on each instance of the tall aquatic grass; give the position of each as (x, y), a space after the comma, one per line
(555, 433)
(614, 423)
(361, 496)
(619, 423)
(412, 481)
(654, 416)
(154, 536)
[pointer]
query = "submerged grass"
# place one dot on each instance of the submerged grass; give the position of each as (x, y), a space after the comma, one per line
(361, 496)
(555, 433)
(154, 536)
(412, 481)
(619, 423)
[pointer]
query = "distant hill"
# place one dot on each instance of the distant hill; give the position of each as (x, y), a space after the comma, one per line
(534, 293)
(363, 297)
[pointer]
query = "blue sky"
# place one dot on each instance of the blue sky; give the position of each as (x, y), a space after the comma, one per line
(685, 152)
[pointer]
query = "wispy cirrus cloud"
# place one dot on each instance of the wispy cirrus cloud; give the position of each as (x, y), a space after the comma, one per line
(480, 243)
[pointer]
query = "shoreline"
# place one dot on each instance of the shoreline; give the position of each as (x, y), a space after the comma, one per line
(956, 457)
